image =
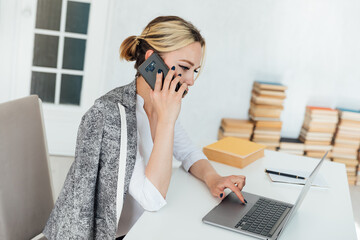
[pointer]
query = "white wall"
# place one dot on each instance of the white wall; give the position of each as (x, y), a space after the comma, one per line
(312, 46)
(7, 38)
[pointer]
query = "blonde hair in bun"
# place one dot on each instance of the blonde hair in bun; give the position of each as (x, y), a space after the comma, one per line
(163, 34)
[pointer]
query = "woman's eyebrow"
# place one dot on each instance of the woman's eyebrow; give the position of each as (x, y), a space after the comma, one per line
(189, 62)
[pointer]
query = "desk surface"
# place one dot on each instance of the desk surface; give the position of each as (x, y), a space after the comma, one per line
(326, 213)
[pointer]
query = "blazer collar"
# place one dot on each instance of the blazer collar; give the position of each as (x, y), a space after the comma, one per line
(125, 95)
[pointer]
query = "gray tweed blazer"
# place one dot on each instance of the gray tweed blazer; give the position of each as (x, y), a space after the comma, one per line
(88, 206)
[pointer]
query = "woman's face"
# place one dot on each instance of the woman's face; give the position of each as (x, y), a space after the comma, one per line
(186, 61)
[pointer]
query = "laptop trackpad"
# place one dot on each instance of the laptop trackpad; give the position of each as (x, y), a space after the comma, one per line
(231, 209)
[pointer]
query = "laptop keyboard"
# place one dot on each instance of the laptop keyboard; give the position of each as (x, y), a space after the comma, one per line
(263, 218)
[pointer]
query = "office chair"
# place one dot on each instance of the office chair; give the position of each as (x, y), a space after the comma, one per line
(26, 198)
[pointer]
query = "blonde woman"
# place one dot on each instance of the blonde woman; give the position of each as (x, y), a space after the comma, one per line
(127, 140)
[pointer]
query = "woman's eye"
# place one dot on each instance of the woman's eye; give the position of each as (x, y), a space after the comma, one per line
(186, 68)
(183, 67)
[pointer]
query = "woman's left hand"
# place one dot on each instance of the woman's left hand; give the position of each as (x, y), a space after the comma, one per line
(217, 185)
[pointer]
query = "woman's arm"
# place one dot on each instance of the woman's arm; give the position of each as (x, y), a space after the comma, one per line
(203, 170)
(167, 103)
(159, 167)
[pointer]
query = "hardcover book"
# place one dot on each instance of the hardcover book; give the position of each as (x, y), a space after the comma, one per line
(235, 152)
(270, 86)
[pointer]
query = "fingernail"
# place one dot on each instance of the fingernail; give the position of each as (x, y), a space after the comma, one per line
(173, 68)
(159, 71)
(221, 195)
(245, 200)
(179, 75)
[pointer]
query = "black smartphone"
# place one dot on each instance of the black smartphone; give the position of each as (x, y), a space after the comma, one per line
(149, 68)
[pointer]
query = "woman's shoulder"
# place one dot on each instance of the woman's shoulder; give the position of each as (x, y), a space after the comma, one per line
(108, 103)
(125, 95)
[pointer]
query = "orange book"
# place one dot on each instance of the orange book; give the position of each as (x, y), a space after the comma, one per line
(321, 111)
(235, 152)
(321, 108)
(266, 124)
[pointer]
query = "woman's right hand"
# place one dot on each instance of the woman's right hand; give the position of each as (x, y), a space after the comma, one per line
(167, 101)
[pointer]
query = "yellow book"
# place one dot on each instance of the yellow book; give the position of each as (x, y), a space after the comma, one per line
(234, 151)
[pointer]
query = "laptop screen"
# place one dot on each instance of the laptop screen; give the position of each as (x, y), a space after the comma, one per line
(304, 191)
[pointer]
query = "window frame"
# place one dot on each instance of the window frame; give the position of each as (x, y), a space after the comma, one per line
(61, 120)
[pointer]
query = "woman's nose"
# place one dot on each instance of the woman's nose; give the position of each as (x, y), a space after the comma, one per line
(189, 81)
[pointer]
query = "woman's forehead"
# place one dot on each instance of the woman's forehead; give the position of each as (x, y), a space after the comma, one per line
(191, 53)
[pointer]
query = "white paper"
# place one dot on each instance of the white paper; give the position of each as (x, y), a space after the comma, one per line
(319, 181)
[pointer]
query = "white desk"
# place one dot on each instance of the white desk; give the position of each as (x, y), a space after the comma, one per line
(324, 213)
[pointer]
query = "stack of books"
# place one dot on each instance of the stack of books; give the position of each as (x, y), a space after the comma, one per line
(239, 128)
(318, 130)
(292, 146)
(265, 110)
(347, 141)
(267, 133)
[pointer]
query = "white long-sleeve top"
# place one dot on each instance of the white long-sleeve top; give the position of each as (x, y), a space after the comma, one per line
(143, 195)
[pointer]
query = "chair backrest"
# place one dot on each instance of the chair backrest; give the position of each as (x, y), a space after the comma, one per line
(26, 197)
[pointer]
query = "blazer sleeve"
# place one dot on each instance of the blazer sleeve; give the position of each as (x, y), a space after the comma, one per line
(73, 213)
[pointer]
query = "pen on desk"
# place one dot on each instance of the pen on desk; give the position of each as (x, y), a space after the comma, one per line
(284, 174)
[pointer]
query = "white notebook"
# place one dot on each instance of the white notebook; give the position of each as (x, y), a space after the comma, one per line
(319, 181)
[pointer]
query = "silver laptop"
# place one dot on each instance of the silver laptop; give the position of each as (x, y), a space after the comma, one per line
(261, 217)
(25, 186)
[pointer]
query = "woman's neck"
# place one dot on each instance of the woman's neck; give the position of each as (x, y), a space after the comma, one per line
(143, 89)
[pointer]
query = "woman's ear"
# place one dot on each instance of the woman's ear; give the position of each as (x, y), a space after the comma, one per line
(148, 53)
